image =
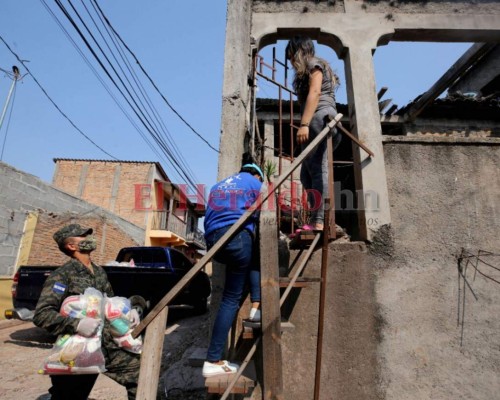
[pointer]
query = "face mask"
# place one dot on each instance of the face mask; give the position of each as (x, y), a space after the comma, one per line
(88, 244)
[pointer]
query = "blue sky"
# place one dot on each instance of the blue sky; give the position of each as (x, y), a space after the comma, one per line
(181, 45)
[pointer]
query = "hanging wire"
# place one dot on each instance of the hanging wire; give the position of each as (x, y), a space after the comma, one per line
(162, 127)
(104, 85)
(151, 80)
(464, 261)
(121, 86)
(53, 102)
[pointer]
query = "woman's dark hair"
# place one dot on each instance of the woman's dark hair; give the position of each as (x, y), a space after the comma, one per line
(300, 50)
(302, 44)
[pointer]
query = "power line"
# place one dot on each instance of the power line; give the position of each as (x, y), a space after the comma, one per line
(144, 119)
(53, 102)
(99, 78)
(159, 125)
(138, 112)
(139, 84)
(150, 79)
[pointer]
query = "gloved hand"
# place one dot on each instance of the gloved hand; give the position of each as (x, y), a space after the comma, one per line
(134, 318)
(88, 326)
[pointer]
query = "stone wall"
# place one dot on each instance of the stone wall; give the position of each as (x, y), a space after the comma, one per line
(21, 193)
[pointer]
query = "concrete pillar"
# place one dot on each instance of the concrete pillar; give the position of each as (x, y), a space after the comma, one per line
(269, 139)
(371, 182)
(236, 91)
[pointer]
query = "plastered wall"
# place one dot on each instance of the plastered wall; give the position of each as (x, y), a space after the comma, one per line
(443, 196)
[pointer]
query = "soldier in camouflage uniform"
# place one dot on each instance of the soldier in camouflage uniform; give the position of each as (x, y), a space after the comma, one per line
(71, 279)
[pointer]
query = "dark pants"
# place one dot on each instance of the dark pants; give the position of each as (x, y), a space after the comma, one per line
(72, 387)
(241, 267)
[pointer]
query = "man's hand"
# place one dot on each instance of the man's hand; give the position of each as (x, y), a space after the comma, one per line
(88, 326)
(134, 318)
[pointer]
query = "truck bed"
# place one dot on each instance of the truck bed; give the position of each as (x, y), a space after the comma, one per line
(151, 284)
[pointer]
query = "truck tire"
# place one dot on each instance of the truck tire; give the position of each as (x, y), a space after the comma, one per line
(139, 304)
(200, 306)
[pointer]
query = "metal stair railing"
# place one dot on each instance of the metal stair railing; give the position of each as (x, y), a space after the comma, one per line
(283, 298)
(150, 368)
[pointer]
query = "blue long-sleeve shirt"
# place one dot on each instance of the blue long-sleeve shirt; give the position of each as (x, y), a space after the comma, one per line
(229, 199)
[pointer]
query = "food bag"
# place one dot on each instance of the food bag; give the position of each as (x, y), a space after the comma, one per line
(117, 312)
(76, 354)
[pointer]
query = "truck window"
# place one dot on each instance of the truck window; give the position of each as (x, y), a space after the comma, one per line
(145, 257)
(179, 260)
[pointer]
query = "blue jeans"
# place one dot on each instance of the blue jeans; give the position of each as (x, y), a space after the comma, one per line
(238, 256)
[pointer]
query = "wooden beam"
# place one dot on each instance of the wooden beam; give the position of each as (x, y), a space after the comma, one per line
(270, 305)
(383, 104)
(474, 53)
(149, 374)
(381, 92)
(393, 108)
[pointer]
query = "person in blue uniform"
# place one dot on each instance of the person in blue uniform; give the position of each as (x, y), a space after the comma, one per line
(229, 199)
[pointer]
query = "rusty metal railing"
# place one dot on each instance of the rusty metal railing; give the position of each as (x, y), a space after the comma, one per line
(150, 367)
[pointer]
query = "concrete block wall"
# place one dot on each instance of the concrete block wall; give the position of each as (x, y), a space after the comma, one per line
(110, 185)
(21, 193)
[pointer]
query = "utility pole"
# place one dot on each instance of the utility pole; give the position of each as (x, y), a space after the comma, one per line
(15, 77)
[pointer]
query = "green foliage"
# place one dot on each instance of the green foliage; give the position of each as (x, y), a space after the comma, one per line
(270, 168)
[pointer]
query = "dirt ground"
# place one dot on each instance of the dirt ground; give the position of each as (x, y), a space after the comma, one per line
(23, 347)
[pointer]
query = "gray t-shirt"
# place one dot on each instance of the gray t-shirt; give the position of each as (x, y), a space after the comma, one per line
(327, 96)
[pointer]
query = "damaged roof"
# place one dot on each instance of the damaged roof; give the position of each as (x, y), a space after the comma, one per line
(460, 106)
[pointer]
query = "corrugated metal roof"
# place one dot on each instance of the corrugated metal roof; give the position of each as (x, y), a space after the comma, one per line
(107, 161)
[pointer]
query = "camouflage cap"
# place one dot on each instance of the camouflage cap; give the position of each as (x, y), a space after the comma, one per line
(68, 231)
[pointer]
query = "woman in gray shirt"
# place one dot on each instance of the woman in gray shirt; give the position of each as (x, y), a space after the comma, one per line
(314, 83)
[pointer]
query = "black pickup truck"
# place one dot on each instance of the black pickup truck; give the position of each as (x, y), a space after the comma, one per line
(142, 274)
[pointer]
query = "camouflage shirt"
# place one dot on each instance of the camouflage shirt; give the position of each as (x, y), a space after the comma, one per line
(70, 279)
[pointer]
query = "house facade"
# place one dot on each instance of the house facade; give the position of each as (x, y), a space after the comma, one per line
(140, 192)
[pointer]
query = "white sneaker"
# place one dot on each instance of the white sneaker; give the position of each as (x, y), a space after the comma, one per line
(211, 369)
(254, 315)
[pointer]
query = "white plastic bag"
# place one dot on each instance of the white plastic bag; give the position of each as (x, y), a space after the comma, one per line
(76, 354)
(117, 312)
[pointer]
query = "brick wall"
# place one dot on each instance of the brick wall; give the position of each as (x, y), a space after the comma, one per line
(110, 185)
(132, 174)
(110, 238)
(21, 193)
(67, 177)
